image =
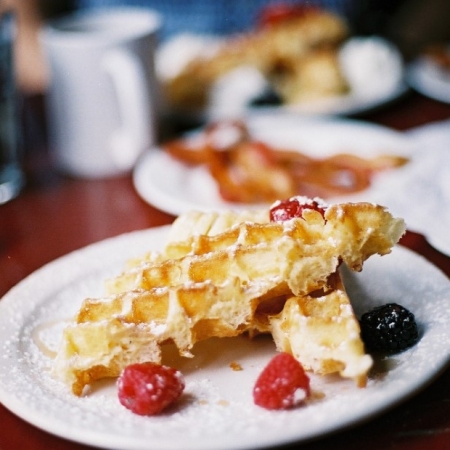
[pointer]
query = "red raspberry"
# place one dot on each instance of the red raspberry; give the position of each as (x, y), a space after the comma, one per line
(283, 210)
(278, 384)
(147, 388)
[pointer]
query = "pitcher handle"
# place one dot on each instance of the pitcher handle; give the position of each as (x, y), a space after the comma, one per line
(132, 88)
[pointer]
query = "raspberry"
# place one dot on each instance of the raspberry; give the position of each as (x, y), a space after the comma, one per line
(279, 383)
(148, 388)
(284, 210)
(390, 328)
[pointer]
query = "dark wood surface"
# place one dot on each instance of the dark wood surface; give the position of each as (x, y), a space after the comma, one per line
(56, 214)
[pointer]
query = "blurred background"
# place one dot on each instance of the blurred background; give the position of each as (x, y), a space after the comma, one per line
(411, 24)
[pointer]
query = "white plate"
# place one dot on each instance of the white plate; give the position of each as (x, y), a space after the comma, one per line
(176, 188)
(428, 79)
(216, 411)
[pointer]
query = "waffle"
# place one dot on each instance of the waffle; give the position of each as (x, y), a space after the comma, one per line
(112, 332)
(223, 280)
(189, 226)
(301, 253)
(319, 76)
(195, 223)
(322, 332)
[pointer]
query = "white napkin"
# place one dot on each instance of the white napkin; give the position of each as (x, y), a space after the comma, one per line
(421, 192)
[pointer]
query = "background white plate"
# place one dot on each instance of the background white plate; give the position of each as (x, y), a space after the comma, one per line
(176, 188)
(216, 411)
(372, 65)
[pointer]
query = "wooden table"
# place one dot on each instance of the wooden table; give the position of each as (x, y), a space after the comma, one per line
(55, 215)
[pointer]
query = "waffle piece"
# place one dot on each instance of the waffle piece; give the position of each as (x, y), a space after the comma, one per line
(218, 286)
(112, 332)
(310, 79)
(195, 223)
(301, 253)
(322, 332)
(258, 255)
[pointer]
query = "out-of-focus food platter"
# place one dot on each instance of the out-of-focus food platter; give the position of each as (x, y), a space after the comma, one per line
(307, 63)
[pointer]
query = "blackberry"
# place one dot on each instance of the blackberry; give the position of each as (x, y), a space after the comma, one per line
(390, 328)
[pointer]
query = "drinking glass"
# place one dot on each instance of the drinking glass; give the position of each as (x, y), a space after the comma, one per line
(11, 174)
